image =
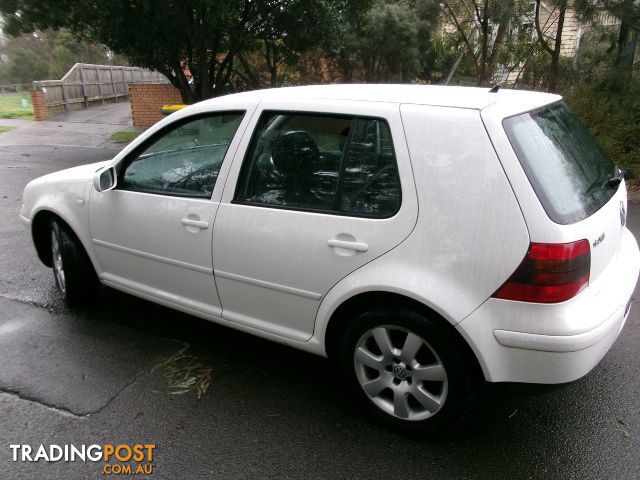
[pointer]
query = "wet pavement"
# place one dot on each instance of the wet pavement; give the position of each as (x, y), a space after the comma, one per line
(118, 113)
(89, 127)
(95, 375)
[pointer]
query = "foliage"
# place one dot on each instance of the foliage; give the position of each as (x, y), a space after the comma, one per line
(198, 38)
(483, 26)
(281, 32)
(613, 117)
(441, 57)
(186, 373)
(25, 67)
(46, 54)
(387, 42)
(535, 67)
(68, 50)
(605, 98)
(384, 41)
(595, 60)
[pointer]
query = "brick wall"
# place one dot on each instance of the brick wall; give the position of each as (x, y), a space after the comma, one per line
(147, 100)
(39, 103)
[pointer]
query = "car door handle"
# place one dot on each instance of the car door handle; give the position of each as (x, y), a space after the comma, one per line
(190, 222)
(357, 246)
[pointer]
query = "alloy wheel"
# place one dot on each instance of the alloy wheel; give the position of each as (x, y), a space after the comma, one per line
(58, 268)
(400, 373)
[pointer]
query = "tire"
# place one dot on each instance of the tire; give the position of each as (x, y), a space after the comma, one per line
(73, 272)
(407, 371)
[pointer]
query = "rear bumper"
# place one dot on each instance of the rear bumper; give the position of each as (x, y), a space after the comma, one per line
(535, 343)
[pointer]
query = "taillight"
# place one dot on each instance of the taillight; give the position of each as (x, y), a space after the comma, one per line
(549, 273)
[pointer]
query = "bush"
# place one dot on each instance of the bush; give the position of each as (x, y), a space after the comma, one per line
(605, 100)
(612, 112)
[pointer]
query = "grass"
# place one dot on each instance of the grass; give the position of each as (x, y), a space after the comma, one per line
(124, 136)
(11, 107)
(6, 129)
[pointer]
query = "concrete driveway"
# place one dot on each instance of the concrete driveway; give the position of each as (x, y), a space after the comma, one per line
(88, 127)
(107, 114)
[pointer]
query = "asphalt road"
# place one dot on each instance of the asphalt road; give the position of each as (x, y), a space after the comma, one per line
(91, 376)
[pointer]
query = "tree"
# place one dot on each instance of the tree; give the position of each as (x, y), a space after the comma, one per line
(384, 41)
(46, 54)
(628, 11)
(206, 38)
(25, 66)
(68, 50)
(560, 6)
(483, 26)
(280, 36)
(25, 58)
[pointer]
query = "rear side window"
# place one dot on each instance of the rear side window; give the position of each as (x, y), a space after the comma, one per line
(328, 163)
(564, 163)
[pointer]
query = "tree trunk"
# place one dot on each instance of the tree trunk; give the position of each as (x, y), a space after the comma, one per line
(484, 44)
(179, 80)
(552, 82)
(627, 40)
(492, 61)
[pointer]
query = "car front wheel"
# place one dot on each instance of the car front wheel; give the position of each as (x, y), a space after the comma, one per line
(407, 371)
(73, 272)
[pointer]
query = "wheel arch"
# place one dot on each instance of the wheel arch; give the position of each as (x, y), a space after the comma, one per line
(42, 240)
(40, 235)
(360, 302)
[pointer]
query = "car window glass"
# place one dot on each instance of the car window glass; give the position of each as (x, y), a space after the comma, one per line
(185, 161)
(564, 163)
(321, 162)
(294, 161)
(370, 182)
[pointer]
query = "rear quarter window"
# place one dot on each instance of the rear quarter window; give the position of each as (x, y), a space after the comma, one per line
(564, 163)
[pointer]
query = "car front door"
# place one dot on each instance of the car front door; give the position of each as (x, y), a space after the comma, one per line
(152, 234)
(311, 197)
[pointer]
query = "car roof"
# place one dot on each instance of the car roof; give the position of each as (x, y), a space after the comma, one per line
(436, 95)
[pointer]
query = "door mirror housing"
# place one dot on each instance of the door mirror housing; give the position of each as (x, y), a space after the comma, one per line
(105, 180)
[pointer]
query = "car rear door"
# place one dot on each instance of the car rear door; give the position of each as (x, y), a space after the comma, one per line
(319, 189)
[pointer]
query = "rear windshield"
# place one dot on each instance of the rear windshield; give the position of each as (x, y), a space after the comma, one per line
(565, 165)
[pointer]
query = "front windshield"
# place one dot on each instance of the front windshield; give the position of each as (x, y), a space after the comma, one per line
(564, 163)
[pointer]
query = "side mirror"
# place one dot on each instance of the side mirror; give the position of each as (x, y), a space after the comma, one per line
(105, 180)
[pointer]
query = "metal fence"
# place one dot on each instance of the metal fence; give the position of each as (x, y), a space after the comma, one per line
(87, 83)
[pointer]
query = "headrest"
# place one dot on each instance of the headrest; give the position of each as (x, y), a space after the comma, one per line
(294, 151)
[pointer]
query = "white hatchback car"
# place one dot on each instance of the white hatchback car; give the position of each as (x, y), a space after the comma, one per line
(423, 237)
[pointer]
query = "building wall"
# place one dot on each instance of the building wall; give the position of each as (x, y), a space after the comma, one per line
(147, 100)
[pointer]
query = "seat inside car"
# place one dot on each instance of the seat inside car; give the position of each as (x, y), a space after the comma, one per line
(295, 155)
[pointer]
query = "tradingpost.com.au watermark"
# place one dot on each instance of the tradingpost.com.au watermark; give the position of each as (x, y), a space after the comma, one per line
(123, 459)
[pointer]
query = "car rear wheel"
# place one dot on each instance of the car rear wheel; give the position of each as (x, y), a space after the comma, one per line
(73, 272)
(407, 371)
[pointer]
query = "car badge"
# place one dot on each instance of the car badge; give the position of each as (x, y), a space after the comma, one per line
(623, 214)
